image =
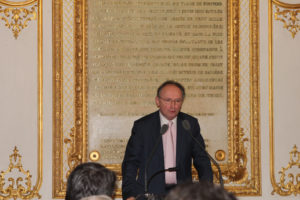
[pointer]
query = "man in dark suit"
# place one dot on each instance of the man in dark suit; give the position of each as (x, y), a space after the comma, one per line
(176, 148)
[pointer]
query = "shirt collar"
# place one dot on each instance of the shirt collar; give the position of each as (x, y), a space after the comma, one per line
(164, 120)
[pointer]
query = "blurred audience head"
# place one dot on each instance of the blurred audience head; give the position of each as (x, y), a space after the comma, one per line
(199, 191)
(98, 197)
(90, 179)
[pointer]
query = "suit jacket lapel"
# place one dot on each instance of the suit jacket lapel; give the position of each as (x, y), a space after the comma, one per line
(180, 137)
(157, 127)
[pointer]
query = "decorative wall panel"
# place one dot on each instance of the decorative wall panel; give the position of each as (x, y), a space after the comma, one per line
(284, 87)
(22, 81)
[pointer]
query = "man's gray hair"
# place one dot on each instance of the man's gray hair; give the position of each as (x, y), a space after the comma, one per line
(97, 197)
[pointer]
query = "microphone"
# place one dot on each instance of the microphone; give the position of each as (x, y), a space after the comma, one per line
(186, 125)
(163, 130)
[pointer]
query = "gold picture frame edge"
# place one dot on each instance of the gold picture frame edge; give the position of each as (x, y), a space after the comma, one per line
(58, 189)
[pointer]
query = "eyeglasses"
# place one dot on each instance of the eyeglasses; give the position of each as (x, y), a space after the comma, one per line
(170, 101)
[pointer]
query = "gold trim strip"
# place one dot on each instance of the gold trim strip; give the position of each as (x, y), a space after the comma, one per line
(18, 4)
(57, 48)
(255, 97)
(271, 94)
(286, 5)
(40, 98)
(85, 85)
(79, 145)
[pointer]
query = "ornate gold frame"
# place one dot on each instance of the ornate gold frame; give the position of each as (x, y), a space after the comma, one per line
(29, 192)
(235, 172)
(292, 186)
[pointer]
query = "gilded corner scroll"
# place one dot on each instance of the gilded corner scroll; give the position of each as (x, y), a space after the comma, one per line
(21, 187)
(242, 169)
(17, 15)
(289, 181)
(289, 15)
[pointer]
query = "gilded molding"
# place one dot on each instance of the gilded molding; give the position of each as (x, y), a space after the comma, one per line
(19, 187)
(289, 18)
(292, 185)
(283, 187)
(234, 171)
(254, 183)
(74, 158)
(58, 187)
(80, 80)
(16, 18)
(18, 3)
(237, 170)
(238, 178)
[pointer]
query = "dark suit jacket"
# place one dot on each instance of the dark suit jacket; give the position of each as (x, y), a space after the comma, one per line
(145, 133)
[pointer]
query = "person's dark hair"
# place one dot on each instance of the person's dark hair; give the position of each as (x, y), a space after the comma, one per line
(171, 82)
(199, 191)
(89, 179)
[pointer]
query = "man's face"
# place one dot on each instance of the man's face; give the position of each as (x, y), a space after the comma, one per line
(169, 101)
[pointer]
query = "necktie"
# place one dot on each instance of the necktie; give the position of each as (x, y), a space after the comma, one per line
(170, 153)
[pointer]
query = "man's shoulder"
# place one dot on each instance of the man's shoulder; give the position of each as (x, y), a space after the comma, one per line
(155, 116)
(149, 117)
(185, 116)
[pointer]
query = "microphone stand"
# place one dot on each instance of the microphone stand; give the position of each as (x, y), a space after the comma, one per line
(149, 196)
(186, 125)
(171, 169)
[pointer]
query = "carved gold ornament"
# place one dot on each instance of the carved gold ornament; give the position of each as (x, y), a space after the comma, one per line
(289, 182)
(237, 170)
(74, 159)
(290, 19)
(17, 19)
(15, 182)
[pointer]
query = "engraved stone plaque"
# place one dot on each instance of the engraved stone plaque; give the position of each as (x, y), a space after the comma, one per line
(135, 45)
